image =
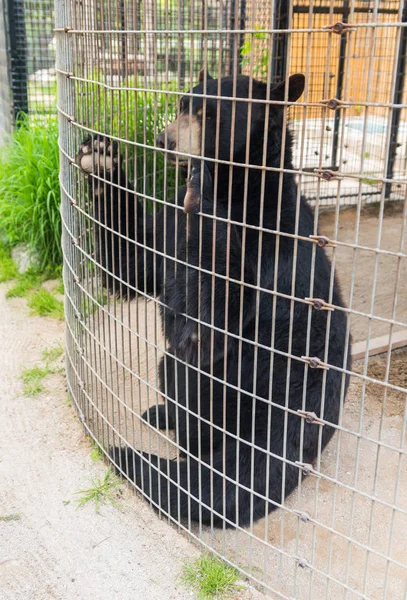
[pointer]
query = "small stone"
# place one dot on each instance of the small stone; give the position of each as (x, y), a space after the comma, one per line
(23, 258)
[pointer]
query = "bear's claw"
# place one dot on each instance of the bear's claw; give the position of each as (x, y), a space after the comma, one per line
(98, 155)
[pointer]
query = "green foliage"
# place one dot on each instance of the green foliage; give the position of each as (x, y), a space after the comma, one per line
(96, 452)
(52, 354)
(44, 304)
(25, 283)
(137, 117)
(8, 269)
(29, 164)
(32, 379)
(261, 53)
(60, 287)
(101, 492)
(29, 190)
(210, 577)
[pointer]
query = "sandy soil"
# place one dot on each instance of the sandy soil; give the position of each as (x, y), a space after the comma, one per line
(48, 548)
(55, 551)
(377, 276)
(335, 537)
(121, 367)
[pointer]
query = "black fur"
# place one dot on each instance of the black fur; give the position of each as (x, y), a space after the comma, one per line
(270, 437)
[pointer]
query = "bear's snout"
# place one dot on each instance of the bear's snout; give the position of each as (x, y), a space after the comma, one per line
(160, 140)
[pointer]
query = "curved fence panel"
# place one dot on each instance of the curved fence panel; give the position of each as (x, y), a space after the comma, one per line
(234, 209)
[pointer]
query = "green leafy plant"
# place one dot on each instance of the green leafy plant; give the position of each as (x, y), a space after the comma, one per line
(29, 190)
(8, 269)
(25, 283)
(52, 354)
(96, 452)
(60, 287)
(256, 43)
(135, 116)
(102, 491)
(44, 304)
(210, 577)
(29, 165)
(32, 379)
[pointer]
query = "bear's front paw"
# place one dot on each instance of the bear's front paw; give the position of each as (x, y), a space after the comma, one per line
(192, 200)
(199, 194)
(157, 417)
(126, 462)
(98, 155)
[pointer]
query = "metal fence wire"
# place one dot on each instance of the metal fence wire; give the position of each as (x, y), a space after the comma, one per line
(27, 61)
(238, 351)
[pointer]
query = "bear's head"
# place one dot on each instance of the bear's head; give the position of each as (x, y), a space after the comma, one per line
(219, 116)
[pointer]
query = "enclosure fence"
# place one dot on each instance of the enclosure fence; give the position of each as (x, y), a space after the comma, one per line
(27, 61)
(217, 316)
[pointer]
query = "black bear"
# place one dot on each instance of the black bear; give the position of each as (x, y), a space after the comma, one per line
(232, 267)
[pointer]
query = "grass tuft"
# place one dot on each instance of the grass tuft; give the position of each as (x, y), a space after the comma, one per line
(44, 304)
(32, 379)
(210, 577)
(60, 289)
(96, 452)
(52, 354)
(25, 283)
(8, 269)
(101, 492)
(12, 517)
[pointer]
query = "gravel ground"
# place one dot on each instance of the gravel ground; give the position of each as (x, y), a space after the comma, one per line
(49, 549)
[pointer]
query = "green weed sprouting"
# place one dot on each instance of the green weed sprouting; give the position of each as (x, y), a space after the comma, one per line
(25, 283)
(8, 269)
(210, 577)
(102, 491)
(52, 354)
(32, 379)
(44, 304)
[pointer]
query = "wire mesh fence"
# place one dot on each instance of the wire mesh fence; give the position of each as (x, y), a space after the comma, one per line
(27, 61)
(5, 106)
(240, 357)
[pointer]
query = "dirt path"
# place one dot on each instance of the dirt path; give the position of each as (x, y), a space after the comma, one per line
(54, 551)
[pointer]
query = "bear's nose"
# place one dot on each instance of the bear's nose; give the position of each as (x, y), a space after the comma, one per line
(160, 139)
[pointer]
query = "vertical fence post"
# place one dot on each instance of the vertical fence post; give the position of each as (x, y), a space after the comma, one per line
(279, 52)
(339, 87)
(237, 20)
(398, 100)
(18, 56)
(71, 232)
(6, 112)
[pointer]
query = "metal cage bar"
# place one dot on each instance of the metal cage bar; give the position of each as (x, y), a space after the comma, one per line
(193, 300)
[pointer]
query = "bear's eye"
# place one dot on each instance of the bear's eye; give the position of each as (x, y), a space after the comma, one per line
(200, 111)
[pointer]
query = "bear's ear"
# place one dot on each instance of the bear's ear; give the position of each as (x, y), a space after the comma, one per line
(296, 84)
(204, 75)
